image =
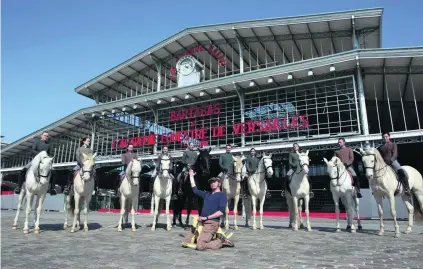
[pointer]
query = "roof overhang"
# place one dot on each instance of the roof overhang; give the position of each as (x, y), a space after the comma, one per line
(371, 59)
(307, 27)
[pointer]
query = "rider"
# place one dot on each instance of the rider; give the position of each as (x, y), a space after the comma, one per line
(40, 144)
(165, 152)
(294, 163)
(127, 157)
(188, 159)
(213, 208)
(225, 162)
(389, 154)
(346, 155)
(251, 166)
(83, 149)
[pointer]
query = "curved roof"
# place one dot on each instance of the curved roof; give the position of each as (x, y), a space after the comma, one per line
(374, 62)
(335, 28)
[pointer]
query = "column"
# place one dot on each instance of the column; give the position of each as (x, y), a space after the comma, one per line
(362, 102)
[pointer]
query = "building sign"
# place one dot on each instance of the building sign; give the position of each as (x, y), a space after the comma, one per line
(213, 50)
(201, 136)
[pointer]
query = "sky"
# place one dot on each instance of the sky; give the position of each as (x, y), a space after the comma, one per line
(49, 47)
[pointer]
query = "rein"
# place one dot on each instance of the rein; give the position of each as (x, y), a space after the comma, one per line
(338, 177)
(39, 175)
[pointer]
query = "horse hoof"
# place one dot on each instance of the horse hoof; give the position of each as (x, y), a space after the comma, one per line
(290, 226)
(261, 227)
(85, 229)
(360, 228)
(169, 229)
(408, 231)
(301, 226)
(65, 226)
(119, 229)
(348, 228)
(397, 235)
(353, 231)
(254, 228)
(153, 229)
(36, 231)
(380, 233)
(72, 230)
(235, 227)
(134, 229)
(25, 231)
(14, 227)
(338, 230)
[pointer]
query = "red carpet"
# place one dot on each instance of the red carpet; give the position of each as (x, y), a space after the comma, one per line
(326, 215)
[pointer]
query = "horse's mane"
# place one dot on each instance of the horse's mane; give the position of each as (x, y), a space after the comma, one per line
(378, 156)
(129, 167)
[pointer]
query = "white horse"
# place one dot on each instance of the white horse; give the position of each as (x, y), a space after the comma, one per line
(162, 189)
(300, 188)
(36, 184)
(383, 182)
(232, 188)
(258, 186)
(83, 187)
(129, 191)
(341, 187)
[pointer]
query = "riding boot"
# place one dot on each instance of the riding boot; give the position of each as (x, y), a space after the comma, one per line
(181, 181)
(52, 190)
(68, 184)
(21, 180)
(357, 186)
(311, 189)
(404, 180)
(175, 186)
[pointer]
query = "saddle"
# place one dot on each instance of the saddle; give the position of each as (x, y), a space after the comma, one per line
(197, 228)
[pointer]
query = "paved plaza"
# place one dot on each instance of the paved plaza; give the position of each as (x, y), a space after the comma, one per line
(274, 247)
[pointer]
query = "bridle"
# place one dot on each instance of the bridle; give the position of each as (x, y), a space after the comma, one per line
(266, 169)
(302, 164)
(374, 166)
(90, 172)
(338, 176)
(39, 175)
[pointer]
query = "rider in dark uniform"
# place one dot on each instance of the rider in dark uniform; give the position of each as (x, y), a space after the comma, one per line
(188, 159)
(225, 162)
(294, 163)
(127, 157)
(346, 155)
(389, 154)
(40, 144)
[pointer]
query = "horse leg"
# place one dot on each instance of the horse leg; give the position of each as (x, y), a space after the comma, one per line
(169, 224)
(19, 208)
(156, 211)
(380, 211)
(357, 211)
(134, 209)
(152, 204)
(350, 212)
(87, 205)
(227, 216)
(307, 211)
(75, 212)
(236, 201)
(336, 201)
(261, 210)
(254, 202)
(122, 211)
(295, 215)
(29, 198)
(394, 214)
(300, 213)
(410, 210)
(38, 208)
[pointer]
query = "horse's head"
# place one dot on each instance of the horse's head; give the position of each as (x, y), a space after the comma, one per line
(204, 161)
(267, 162)
(165, 165)
(238, 166)
(133, 172)
(334, 167)
(304, 161)
(44, 167)
(369, 158)
(87, 166)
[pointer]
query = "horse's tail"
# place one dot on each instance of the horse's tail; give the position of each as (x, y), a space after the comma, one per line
(418, 206)
(71, 205)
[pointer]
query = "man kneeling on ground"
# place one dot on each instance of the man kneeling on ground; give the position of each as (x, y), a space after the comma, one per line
(213, 208)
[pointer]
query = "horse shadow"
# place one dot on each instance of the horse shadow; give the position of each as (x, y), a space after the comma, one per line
(59, 227)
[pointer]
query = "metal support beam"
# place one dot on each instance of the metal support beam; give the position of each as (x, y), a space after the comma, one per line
(93, 127)
(241, 96)
(362, 102)
(158, 65)
(241, 54)
(355, 43)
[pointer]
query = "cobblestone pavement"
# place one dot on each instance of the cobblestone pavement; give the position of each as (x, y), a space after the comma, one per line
(274, 247)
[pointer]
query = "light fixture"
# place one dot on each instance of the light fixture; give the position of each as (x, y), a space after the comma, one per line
(93, 115)
(201, 93)
(135, 107)
(124, 109)
(252, 83)
(172, 99)
(332, 68)
(289, 76)
(270, 80)
(310, 72)
(113, 111)
(103, 113)
(186, 96)
(217, 90)
(159, 101)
